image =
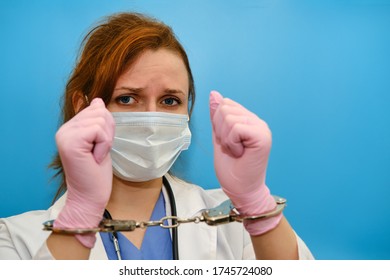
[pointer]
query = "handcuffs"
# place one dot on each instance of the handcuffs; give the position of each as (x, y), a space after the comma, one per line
(222, 214)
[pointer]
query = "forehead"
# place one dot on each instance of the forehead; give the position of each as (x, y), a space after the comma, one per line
(163, 60)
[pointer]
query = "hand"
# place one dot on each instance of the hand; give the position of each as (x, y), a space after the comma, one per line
(84, 145)
(242, 143)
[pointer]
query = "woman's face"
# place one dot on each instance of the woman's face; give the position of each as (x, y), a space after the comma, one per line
(156, 82)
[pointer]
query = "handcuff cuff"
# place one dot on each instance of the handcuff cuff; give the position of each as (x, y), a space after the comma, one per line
(222, 214)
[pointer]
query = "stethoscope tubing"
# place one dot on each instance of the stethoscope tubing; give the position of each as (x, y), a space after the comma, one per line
(175, 246)
(175, 249)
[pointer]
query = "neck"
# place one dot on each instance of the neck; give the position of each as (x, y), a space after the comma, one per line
(133, 200)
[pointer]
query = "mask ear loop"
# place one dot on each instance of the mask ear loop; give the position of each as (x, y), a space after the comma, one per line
(86, 99)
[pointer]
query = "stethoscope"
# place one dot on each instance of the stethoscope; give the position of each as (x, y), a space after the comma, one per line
(175, 251)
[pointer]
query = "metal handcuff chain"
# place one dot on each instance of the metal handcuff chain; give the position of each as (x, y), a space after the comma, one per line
(222, 214)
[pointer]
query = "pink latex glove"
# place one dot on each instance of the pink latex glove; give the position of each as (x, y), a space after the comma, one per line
(84, 145)
(242, 143)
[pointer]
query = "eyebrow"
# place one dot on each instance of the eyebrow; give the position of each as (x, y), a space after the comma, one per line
(173, 91)
(138, 90)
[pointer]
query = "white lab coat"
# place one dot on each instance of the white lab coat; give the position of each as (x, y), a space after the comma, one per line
(22, 237)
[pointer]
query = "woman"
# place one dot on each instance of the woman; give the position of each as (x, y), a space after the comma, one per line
(126, 112)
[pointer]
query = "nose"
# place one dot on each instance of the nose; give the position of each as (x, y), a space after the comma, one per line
(151, 106)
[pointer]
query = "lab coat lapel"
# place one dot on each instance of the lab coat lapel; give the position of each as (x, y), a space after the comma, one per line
(195, 241)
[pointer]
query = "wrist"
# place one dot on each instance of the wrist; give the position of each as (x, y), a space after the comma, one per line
(259, 227)
(75, 216)
(254, 202)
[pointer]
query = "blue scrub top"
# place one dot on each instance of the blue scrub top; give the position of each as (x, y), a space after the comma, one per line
(156, 245)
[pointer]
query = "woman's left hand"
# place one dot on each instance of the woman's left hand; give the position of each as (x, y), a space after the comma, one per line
(242, 143)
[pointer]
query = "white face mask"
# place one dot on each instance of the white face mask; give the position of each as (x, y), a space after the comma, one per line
(146, 144)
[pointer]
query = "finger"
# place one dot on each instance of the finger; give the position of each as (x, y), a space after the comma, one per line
(224, 111)
(74, 142)
(231, 103)
(97, 101)
(104, 140)
(230, 140)
(97, 114)
(99, 108)
(214, 101)
(102, 146)
(251, 136)
(88, 135)
(94, 110)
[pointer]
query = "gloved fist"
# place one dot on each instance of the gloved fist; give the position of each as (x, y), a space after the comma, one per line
(84, 145)
(242, 143)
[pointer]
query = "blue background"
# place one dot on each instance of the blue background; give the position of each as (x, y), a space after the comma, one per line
(318, 72)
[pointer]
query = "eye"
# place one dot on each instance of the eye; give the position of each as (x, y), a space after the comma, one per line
(171, 101)
(125, 99)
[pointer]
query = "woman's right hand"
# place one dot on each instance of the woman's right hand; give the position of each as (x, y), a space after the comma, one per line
(84, 145)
